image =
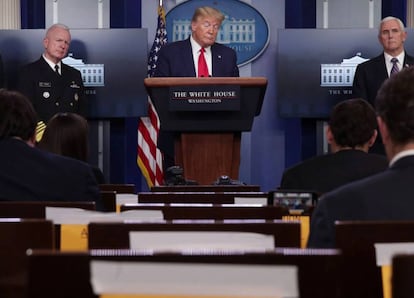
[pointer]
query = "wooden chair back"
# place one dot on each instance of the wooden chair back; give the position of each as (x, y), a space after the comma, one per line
(402, 276)
(17, 236)
(116, 234)
(36, 209)
(198, 197)
(356, 240)
(207, 211)
(206, 188)
(67, 274)
(109, 200)
(118, 188)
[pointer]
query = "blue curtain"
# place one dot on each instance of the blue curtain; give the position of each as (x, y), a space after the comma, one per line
(32, 14)
(300, 134)
(125, 14)
(396, 8)
(123, 140)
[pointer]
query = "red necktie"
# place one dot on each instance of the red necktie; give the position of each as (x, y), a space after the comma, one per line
(202, 65)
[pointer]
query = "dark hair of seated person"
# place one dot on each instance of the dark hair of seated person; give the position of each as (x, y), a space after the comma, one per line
(67, 134)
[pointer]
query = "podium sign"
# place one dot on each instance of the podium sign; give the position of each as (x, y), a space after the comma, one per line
(205, 98)
(252, 92)
(208, 115)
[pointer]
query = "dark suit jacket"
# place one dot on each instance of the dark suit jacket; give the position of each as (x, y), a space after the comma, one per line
(51, 93)
(30, 174)
(326, 172)
(176, 60)
(384, 196)
(369, 76)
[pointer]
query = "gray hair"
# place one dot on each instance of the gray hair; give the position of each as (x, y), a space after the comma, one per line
(57, 25)
(391, 18)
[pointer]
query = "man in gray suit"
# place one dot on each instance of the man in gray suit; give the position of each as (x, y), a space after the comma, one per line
(387, 195)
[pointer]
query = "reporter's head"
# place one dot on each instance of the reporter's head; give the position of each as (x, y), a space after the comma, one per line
(18, 118)
(395, 110)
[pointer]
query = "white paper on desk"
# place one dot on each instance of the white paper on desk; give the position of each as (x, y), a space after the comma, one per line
(231, 280)
(384, 252)
(200, 240)
(255, 200)
(64, 215)
(126, 198)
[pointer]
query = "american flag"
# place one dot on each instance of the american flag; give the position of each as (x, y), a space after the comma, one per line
(149, 156)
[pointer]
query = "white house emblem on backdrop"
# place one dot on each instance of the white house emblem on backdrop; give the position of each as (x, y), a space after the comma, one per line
(342, 74)
(244, 28)
(231, 30)
(92, 74)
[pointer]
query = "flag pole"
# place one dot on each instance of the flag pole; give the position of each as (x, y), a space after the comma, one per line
(150, 157)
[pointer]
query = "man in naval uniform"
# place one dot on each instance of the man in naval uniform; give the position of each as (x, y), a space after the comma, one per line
(51, 85)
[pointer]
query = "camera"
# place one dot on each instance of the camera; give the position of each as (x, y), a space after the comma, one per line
(174, 175)
(226, 180)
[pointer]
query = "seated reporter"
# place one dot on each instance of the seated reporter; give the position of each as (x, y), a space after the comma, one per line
(28, 173)
(388, 194)
(350, 134)
(67, 134)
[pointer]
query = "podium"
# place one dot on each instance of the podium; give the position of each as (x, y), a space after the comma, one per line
(207, 116)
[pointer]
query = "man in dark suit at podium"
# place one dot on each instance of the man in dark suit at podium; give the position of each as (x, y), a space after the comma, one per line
(386, 195)
(371, 74)
(351, 132)
(181, 59)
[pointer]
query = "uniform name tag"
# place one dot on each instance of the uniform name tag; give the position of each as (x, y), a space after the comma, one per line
(45, 84)
(74, 85)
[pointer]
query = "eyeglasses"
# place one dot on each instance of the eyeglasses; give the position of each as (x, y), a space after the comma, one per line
(207, 25)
